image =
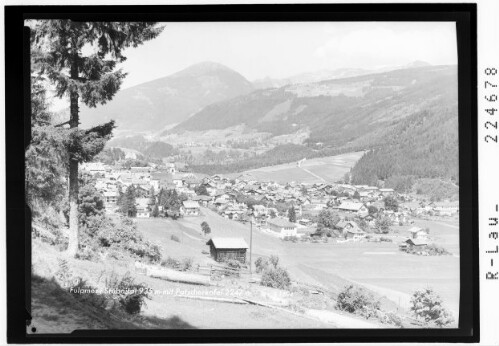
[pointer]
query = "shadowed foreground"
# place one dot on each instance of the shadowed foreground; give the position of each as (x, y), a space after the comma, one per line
(55, 310)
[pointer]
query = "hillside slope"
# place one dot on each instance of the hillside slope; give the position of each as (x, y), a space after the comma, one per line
(337, 111)
(153, 105)
(425, 145)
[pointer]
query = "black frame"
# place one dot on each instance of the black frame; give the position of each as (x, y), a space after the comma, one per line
(18, 136)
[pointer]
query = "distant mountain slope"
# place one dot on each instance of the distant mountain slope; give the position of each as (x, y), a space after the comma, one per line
(337, 112)
(309, 77)
(324, 74)
(425, 145)
(153, 105)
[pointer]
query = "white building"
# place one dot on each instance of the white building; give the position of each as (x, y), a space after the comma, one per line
(282, 226)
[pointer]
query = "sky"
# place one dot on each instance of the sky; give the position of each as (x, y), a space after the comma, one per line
(282, 49)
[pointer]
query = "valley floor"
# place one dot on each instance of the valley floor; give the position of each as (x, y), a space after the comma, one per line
(318, 170)
(380, 267)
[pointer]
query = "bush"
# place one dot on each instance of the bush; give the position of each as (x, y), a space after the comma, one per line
(435, 250)
(170, 262)
(274, 260)
(186, 264)
(64, 275)
(261, 264)
(429, 250)
(357, 300)
(427, 305)
(383, 224)
(175, 238)
(234, 264)
(276, 278)
(291, 238)
(86, 253)
(390, 318)
(182, 265)
(129, 294)
(145, 250)
(101, 232)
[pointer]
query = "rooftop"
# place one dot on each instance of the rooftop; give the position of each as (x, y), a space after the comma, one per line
(350, 206)
(281, 222)
(190, 204)
(228, 243)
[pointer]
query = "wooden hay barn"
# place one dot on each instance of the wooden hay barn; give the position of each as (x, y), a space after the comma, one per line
(223, 249)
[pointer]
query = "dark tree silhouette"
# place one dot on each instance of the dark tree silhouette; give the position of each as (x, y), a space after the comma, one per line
(90, 78)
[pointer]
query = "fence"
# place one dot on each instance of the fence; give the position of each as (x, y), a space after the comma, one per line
(214, 270)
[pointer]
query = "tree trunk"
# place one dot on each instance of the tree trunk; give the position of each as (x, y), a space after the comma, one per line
(73, 174)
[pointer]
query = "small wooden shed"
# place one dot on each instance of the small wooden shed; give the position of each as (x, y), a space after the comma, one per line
(223, 249)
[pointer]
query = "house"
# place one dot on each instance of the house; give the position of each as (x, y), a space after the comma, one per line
(305, 222)
(140, 169)
(202, 200)
(416, 243)
(170, 167)
(386, 192)
(418, 233)
(110, 197)
(354, 207)
(282, 226)
(345, 226)
(223, 249)
(379, 205)
(181, 167)
(446, 209)
(190, 208)
(355, 234)
(259, 210)
(142, 205)
(192, 182)
(94, 167)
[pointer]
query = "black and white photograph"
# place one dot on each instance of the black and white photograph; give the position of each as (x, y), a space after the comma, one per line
(243, 175)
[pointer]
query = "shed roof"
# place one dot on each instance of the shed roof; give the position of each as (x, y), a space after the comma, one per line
(416, 242)
(190, 204)
(228, 243)
(351, 206)
(415, 229)
(280, 222)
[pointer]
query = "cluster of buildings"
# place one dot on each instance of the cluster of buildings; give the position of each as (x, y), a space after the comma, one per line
(265, 204)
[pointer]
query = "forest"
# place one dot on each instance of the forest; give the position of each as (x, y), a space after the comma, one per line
(424, 145)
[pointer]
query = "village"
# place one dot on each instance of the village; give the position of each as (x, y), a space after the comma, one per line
(359, 209)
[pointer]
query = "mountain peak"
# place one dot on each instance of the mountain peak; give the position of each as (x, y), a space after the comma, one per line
(204, 67)
(171, 99)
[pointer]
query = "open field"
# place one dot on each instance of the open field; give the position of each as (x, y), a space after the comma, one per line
(318, 170)
(379, 266)
(55, 310)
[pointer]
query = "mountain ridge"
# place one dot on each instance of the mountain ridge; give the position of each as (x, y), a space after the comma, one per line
(331, 108)
(170, 99)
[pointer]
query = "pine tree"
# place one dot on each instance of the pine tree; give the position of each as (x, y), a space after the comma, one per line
(155, 211)
(44, 156)
(58, 50)
(129, 207)
(152, 196)
(205, 228)
(292, 214)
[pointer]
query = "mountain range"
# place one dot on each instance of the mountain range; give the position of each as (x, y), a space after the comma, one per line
(336, 112)
(405, 118)
(169, 100)
(154, 106)
(320, 75)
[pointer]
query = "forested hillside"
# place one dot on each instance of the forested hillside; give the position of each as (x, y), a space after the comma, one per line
(338, 111)
(424, 145)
